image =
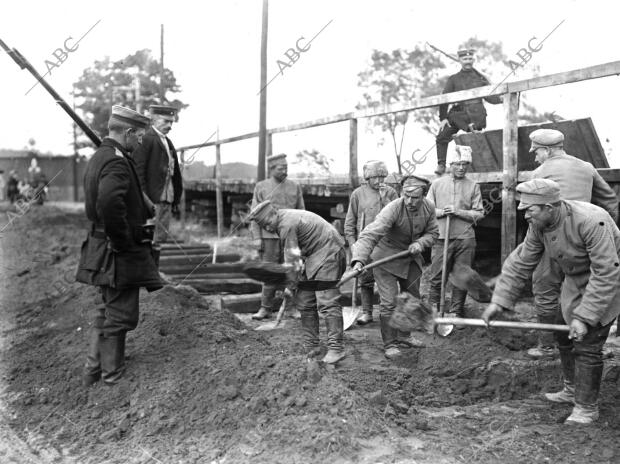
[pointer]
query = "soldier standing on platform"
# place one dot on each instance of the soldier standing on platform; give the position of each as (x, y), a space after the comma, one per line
(117, 255)
(407, 223)
(365, 203)
(469, 116)
(283, 194)
(578, 180)
(460, 198)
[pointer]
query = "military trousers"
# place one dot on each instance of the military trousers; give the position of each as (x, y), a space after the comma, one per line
(458, 120)
(271, 252)
(119, 311)
(546, 287)
(583, 360)
(460, 251)
(390, 285)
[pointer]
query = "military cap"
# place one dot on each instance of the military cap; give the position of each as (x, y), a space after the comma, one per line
(538, 192)
(460, 153)
(465, 52)
(412, 183)
(169, 113)
(546, 138)
(275, 160)
(128, 117)
(375, 168)
(261, 211)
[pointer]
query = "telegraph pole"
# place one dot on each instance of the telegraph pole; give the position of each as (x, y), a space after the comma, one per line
(162, 92)
(262, 120)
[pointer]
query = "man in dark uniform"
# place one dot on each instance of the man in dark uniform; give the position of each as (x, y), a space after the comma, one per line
(117, 255)
(158, 169)
(468, 116)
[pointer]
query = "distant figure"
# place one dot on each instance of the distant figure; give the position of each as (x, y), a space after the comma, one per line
(2, 186)
(13, 186)
(34, 173)
(469, 116)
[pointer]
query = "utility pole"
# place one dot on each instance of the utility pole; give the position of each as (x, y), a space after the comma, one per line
(262, 119)
(162, 92)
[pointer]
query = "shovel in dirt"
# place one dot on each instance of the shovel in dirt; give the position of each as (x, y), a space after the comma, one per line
(274, 324)
(351, 313)
(444, 330)
(501, 324)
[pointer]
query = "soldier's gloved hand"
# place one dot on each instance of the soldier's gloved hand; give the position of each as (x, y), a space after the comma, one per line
(415, 249)
(492, 310)
(443, 124)
(577, 330)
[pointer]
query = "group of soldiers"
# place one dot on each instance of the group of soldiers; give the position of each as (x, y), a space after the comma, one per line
(571, 252)
(132, 185)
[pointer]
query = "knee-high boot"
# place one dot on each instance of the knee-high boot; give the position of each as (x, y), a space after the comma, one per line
(310, 330)
(335, 335)
(112, 357)
(92, 369)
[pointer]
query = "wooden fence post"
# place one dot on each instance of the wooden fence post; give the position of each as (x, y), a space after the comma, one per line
(510, 174)
(353, 177)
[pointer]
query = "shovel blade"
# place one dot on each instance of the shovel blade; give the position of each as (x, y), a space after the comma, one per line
(350, 315)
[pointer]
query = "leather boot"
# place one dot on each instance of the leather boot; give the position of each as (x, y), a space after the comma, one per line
(567, 394)
(390, 337)
(310, 330)
(112, 349)
(335, 333)
(587, 385)
(367, 297)
(92, 369)
(263, 313)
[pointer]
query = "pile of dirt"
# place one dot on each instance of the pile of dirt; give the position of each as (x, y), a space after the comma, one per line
(202, 386)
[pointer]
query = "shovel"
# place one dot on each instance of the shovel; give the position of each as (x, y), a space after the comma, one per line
(356, 272)
(274, 324)
(443, 330)
(351, 313)
(503, 324)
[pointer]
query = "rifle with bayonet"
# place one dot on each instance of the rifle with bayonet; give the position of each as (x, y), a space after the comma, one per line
(23, 63)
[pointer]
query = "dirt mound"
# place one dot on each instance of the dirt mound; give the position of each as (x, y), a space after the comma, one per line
(202, 386)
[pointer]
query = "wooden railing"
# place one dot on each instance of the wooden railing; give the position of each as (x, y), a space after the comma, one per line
(508, 177)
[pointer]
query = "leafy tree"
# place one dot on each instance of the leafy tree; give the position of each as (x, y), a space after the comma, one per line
(312, 163)
(108, 83)
(402, 76)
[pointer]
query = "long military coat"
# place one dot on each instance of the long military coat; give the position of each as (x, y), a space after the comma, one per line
(113, 254)
(365, 202)
(585, 242)
(579, 180)
(392, 231)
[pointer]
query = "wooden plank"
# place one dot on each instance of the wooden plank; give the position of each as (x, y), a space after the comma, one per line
(353, 177)
(224, 285)
(510, 149)
(218, 191)
(205, 268)
(198, 259)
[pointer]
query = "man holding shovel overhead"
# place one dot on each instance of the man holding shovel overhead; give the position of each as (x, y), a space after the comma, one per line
(459, 198)
(585, 243)
(365, 203)
(407, 223)
(322, 250)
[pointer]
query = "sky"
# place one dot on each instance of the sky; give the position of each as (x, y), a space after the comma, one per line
(213, 48)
